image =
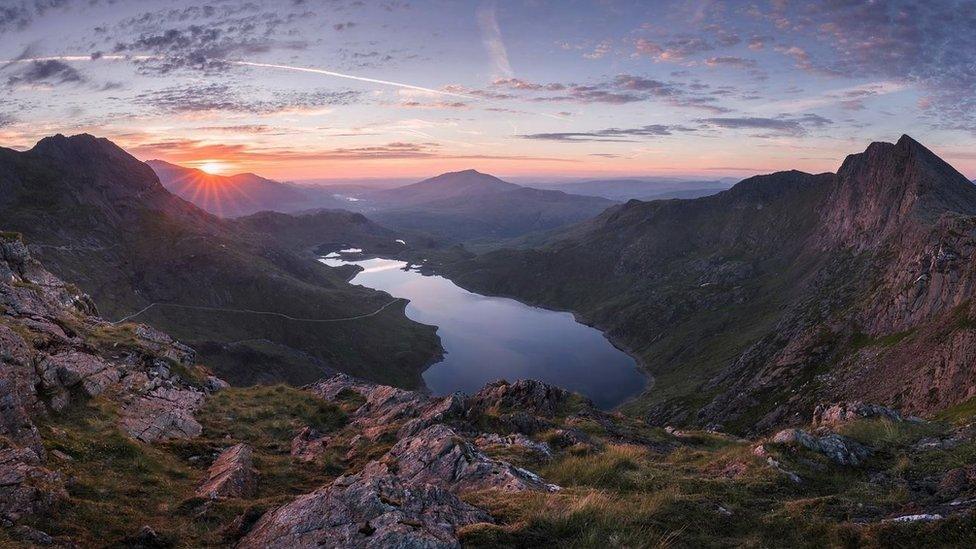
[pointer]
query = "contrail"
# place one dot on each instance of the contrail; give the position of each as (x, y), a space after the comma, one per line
(350, 77)
(75, 58)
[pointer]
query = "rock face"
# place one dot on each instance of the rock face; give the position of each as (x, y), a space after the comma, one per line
(438, 455)
(849, 282)
(367, 510)
(26, 487)
(408, 497)
(54, 352)
(231, 475)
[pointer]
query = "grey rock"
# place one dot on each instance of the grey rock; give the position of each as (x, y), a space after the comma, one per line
(366, 511)
(438, 455)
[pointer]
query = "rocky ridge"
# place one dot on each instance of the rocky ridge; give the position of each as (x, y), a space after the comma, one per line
(795, 289)
(56, 353)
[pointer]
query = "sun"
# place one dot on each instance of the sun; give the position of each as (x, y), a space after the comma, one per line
(213, 167)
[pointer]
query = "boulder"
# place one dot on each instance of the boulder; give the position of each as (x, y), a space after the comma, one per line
(539, 449)
(366, 510)
(438, 455)
(232, 474)
(72, 369)
(26, 487)
(384, 409)
(829, 415)
(837, 448)
(162, 413)
(527, 395)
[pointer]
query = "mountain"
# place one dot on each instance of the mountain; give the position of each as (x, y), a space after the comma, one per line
(343, 462)
(789, 289)
(249, 303)
(471, 205)
(622, 190)
(240, 194)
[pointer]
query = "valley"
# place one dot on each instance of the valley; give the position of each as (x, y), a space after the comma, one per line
(486, 339)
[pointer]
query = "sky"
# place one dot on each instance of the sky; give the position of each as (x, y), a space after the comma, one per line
(319, 89)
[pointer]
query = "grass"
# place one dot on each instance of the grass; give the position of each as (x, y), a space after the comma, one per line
(117, 485)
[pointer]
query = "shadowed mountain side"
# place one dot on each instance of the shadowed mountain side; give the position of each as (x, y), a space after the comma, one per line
(100, 217)
(239, 194)
(788, 289)
(471, 205)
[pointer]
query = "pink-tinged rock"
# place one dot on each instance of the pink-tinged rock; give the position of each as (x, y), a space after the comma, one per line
(163, 413)
(73, 368)
(437, 455)
(366, 511)
(309, 444)
(26, 487)
(527, 395)
(829, 415)
(231, 475)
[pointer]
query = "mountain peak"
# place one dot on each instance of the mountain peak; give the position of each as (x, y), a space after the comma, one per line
(880, 189)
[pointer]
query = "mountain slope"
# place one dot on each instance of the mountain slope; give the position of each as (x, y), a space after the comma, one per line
(239, 194)
(100, 217)
(641, 189)
(111, 435)
(471, 205)
(753, 304)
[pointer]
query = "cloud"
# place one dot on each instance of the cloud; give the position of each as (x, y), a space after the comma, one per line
(186, 150)
(491, 36)
(610, 135)
(600, 51)
(18, 14)
(220, 97)
(730, 61)
(203, 37)
(676, 49)
(929, 45)
(433, 104)
(783, 125)
(45, 72)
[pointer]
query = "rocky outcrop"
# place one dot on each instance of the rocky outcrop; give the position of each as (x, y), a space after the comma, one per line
(26, 487)
(438, 455)
(370, 510)
(831, 415)
(837, 448)
(162, 413)
(55, 353)
(232, 474)
(525, 395)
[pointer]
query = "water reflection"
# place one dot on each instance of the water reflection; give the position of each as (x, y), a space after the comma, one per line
(487, 338)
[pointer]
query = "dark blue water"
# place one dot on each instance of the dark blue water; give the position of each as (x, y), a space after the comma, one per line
(489, 338)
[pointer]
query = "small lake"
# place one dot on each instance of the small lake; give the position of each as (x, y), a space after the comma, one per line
(489, 338)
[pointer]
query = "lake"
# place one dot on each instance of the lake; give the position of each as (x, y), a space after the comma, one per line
(488, 338)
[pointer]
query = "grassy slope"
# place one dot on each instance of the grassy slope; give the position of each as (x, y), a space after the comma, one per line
(708, 491)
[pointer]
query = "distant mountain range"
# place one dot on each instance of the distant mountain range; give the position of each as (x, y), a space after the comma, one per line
(101, 218)
(240, 194)
(457, 206)
(655, 188)
(469, 205)
(752, 305)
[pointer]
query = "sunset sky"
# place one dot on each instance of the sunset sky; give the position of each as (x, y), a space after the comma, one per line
(530, 88)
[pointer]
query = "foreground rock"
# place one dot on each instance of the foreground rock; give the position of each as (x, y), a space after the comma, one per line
(231, 475)
(367, 510)
(837, 448)
(27, 488)
(438, 455)
(831, 415)
(55, 353)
